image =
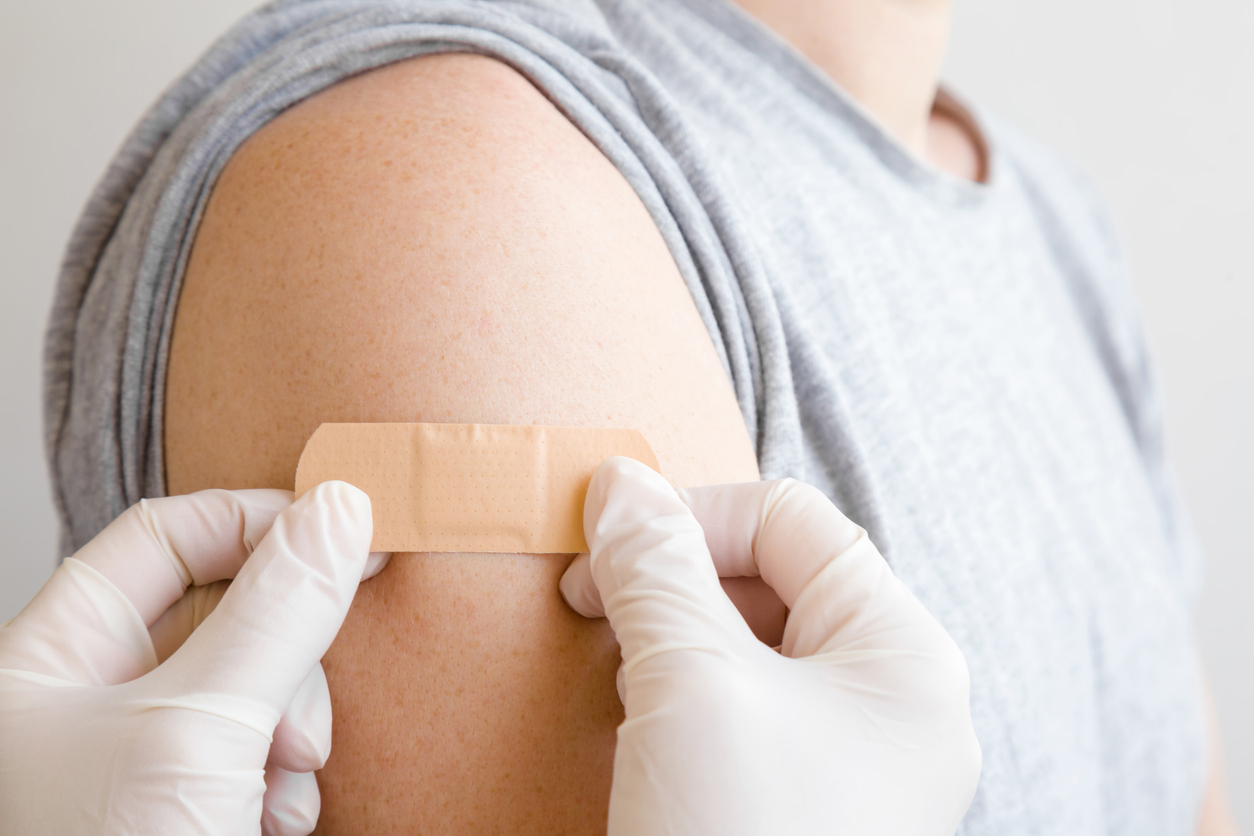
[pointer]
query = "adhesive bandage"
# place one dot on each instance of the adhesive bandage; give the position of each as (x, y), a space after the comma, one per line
(469, 487)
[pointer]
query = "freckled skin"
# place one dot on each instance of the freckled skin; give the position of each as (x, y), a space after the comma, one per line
(433, 241)
(537, 714)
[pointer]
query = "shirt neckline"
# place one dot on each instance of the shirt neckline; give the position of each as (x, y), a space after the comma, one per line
(756, 37)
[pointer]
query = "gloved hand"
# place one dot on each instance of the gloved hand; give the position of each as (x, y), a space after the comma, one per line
(860, 724)
(101, 734)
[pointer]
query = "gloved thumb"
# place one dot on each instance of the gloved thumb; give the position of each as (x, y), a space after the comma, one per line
(282, 611)
(650, 566)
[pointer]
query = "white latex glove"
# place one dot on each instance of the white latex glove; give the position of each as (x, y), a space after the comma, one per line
(100, 734)
(860, 724)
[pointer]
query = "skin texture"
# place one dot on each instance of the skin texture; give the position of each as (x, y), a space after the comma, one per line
(886, 53)
(434, 241)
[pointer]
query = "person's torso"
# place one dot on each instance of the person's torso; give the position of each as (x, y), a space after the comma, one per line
(956, 352)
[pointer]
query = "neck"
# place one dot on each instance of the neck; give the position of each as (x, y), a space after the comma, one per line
(887, 54)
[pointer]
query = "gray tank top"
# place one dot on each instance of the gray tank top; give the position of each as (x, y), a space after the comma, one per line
(959, 366)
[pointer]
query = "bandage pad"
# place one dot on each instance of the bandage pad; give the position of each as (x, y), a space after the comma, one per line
(469, 487)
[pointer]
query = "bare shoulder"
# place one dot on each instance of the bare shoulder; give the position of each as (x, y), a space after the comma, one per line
(433, 241)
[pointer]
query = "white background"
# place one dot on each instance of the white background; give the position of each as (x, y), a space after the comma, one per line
(1154, 98)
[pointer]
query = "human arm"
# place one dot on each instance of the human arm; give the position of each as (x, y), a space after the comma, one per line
(434, 241)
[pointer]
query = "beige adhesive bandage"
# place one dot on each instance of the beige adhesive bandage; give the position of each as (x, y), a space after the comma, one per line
(469, 487)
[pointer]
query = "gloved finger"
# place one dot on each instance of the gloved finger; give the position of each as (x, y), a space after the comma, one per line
(579, 590)
(177, 623)
(282, 611)
(730, 515)
(375, 564)
(79, 628)
(824, 567)
(857, 605)
(159, 547)
(757, 603)
(785, 530)
(651, 566)
(291, 804)
(173, 627)
(302, 739)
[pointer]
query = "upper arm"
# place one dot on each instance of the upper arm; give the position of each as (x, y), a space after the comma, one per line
(434, 241)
